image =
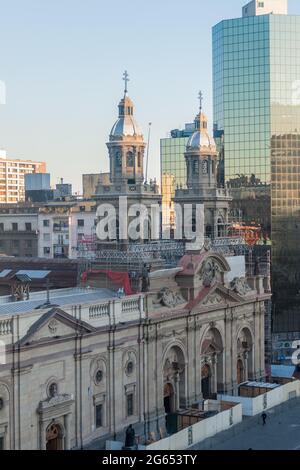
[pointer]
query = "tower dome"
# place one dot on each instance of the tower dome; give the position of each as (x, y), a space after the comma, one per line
(201, 140)
(126, 125)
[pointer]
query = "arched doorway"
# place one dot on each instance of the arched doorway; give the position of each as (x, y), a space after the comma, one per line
(206, 381)
(212, 363)
(54, 437)
(240, 372)
(245, 353)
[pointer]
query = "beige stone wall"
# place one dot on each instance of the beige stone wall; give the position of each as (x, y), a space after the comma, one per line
(72, 363)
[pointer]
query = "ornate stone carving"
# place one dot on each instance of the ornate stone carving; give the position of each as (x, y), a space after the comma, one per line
(54, 401)
(53, 325)
(213, 299)
(209, 272)
(168, 298)
(240, 286)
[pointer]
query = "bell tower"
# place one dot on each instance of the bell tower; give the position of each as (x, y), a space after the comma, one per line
(126, 144)
(201, 158)
(201, 155)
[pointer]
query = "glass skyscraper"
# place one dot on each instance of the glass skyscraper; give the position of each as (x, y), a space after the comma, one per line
(256, 74)
(173, 166)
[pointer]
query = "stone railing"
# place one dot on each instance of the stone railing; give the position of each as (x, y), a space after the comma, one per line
(5, 327)
(99, 311)
(130, 306)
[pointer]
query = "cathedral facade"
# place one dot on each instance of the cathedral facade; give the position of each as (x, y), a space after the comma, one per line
(80, 372)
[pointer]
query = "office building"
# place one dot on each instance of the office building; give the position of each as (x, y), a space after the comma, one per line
(173, 168)
(256, 69)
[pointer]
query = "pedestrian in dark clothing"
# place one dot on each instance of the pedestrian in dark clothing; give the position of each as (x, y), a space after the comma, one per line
(264, 418)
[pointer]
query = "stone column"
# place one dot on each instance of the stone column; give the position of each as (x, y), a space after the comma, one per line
(215, 373)
(43, 435)
(177, 395)
(246, 373)
(67, 432)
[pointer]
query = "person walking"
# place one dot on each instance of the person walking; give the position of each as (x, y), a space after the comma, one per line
(264, 418)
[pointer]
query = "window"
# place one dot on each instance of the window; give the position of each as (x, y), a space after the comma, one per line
(14, 226)
(99, 376)
(129, 404)
(46, 223)
(46, 250)
(261, 4)
(130, 159)
(46, 237)
(82, 208)
(28, 227)
(129, 368)
(15, 243)
(99, 416)
(2, 227)
(1, 443)
(28, 243)
(80, 223)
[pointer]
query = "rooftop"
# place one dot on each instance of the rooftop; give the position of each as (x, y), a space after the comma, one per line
(60, 297)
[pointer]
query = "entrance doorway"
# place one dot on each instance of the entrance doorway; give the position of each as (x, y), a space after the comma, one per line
(240, 372)
(205, 382)
(171, 417)
(54, 437)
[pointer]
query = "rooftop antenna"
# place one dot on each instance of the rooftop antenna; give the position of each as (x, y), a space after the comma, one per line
(126, 80)
(148, 147)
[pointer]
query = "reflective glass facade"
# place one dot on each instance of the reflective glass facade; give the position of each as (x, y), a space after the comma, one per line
(256, 64)
(173, 170)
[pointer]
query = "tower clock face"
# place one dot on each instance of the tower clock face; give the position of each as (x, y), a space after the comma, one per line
(119, 158)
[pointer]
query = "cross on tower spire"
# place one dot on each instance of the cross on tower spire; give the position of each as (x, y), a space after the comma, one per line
(126, 80)
(200, 96)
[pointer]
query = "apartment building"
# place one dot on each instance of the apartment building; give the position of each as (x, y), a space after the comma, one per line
(12, 177)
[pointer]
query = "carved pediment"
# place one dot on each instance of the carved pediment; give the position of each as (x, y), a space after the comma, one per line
(55, 324)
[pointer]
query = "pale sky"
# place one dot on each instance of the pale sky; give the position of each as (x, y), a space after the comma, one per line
(62, 62)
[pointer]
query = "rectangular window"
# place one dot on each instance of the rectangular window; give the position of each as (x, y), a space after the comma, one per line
(46, 223)
(14, 226)
(15, 243)
(46, 250)
(1, 443)
(99, 416)
(130, 405)
(46, 237)
(2, 227)
(28, 243)
(261, 4)
(28, 227)
(80, 223)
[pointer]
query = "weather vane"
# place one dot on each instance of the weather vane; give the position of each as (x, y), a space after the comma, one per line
(126, 80)
(200, 96)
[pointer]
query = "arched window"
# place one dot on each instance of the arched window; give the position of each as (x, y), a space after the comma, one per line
(119, 158)
(130, 159)
(205, 167)
(196, 167)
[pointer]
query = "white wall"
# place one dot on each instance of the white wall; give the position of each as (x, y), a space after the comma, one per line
(200, 431)
(255, 406)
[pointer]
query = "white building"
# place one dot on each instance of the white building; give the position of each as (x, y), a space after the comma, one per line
(265, 7)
